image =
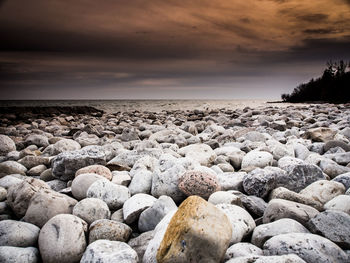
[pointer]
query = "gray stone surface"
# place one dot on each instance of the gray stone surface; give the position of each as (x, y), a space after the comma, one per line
(150, 217)
(81, 184)
(105, 251)
(311, 248)
(109, 230)
(112, 194)
(66, 164)
(46, 204)
(91, 209)
(18, 234)
(279, 208)
(10, 254)
(135, 205)
(334, 225)
(242, 250)
(282, 226)
(62, 239)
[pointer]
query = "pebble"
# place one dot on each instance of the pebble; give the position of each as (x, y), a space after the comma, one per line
(95, 169)
(241, 221)
(310, 247)
(334, 225)
(62, 239)
(91, 209)
(135, 205)
(198, 183)
(112, 194)
(46, 204)
(125, 172)
(6, 145)
(279, 208)
(242, 250)
(11, 167)
(257, 159)
(339, 203)
(282, 226)
(104, 251)
(151, 216)
(109, 230)
(10, 254)
(81, 184)
(197, 224)
(18, 234)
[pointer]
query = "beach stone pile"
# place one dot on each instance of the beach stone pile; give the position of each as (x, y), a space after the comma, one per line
(270, 184)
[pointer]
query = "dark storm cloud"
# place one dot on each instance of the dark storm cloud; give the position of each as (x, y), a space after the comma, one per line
(321, 31)
(141, 44)
(314, 18)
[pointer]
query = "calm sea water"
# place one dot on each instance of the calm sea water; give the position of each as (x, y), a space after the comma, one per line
(147, 105)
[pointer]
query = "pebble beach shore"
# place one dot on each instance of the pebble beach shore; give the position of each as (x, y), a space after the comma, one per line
(267, 184)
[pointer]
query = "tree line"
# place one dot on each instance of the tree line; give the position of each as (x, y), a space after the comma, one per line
(333, 86)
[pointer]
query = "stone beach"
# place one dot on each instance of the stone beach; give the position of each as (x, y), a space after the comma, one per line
(267, 183)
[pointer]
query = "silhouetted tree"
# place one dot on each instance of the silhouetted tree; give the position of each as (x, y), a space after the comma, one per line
(332, 86)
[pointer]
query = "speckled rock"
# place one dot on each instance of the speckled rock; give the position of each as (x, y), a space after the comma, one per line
(291, 258)
(18, 234)
(198, 183)
(109, 230)
(282, 226)
(343, 179)
(284, 193)
(279, 208)
(260, 182)
(257, 159)
(66, 164)
(91, 209)
(62, 239)
(112, 194)
(105, 251)
(242, 250)
(311, 248)
(95, 169)
(300, 176)
(334, 225)
(195, 225)
(10, 254)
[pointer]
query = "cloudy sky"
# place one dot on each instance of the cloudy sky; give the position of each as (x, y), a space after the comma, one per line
(204, 49)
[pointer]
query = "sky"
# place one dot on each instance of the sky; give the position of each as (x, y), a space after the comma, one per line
(167, 49)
